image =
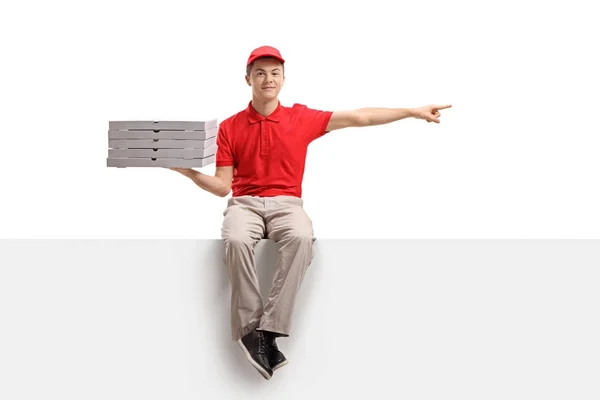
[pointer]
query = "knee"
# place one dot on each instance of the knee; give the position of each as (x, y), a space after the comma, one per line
(302, 238)
(238, 241)
(304, 242)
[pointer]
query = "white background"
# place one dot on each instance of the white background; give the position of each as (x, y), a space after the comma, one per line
(516, 156)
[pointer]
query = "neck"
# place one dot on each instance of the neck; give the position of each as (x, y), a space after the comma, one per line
(264, 107)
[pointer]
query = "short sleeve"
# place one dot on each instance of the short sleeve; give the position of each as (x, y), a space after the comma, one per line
(224, 157)
(313, 122)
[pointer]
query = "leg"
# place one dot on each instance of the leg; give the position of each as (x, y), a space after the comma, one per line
(243, 227)
(289, 225)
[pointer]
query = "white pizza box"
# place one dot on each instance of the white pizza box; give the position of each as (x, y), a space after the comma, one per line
(161, 143)
(163, 125)
(162, 153)
(159, 162)
(163, 134)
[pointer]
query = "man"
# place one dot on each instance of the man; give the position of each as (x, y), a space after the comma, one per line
(260, 159)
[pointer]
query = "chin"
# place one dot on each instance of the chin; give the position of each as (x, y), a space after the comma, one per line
(268, 96)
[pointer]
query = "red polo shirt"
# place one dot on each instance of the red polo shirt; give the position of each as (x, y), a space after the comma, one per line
(269, 153)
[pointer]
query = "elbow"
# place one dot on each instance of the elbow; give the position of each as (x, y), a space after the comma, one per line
(364, 121)
(221, 186)
(361, 118)
(223, 191)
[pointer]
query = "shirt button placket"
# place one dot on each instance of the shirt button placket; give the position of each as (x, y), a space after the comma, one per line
(264, 139)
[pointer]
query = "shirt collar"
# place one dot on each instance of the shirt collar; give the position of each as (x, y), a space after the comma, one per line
(254, 116)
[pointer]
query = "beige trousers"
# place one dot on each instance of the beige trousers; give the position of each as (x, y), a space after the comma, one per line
(247, 220)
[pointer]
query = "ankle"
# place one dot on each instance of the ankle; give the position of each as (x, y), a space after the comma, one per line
(267, 334)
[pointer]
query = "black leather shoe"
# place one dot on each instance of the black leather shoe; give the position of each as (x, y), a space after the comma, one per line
(276, 357)
(257, 352)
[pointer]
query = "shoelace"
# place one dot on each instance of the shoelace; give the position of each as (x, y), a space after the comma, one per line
(262, 344)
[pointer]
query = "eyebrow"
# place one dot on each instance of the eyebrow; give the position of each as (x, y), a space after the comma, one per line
(262, 69)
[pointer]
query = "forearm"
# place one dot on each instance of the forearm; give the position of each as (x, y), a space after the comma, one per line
(212, 184)
(380, 116)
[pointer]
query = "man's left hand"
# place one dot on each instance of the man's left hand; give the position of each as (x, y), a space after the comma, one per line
(429, 113)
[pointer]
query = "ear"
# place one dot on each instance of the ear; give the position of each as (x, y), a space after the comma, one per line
(248, 80)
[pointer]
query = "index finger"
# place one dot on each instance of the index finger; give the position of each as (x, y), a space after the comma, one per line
(442, 107)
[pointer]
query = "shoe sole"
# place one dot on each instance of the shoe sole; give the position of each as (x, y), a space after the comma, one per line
(281, 364)
(260, 369)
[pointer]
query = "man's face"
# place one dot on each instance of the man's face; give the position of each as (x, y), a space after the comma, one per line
(266, 78)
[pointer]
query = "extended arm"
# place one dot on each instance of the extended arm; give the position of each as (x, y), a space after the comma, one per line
(380, 116)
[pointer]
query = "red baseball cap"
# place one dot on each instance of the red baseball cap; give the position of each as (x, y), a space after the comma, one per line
(264, 51)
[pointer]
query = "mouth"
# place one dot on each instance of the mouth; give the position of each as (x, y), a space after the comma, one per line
(269, 87)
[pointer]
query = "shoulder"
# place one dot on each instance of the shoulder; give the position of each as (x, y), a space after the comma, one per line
(233, 121)
(301, 110)
(312, 121)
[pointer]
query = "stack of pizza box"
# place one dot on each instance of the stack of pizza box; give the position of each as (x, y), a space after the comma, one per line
(166, 144)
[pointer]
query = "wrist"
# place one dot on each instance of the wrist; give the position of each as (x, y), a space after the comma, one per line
(191, 173)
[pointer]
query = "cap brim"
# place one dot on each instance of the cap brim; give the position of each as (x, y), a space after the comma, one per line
(263, 56)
